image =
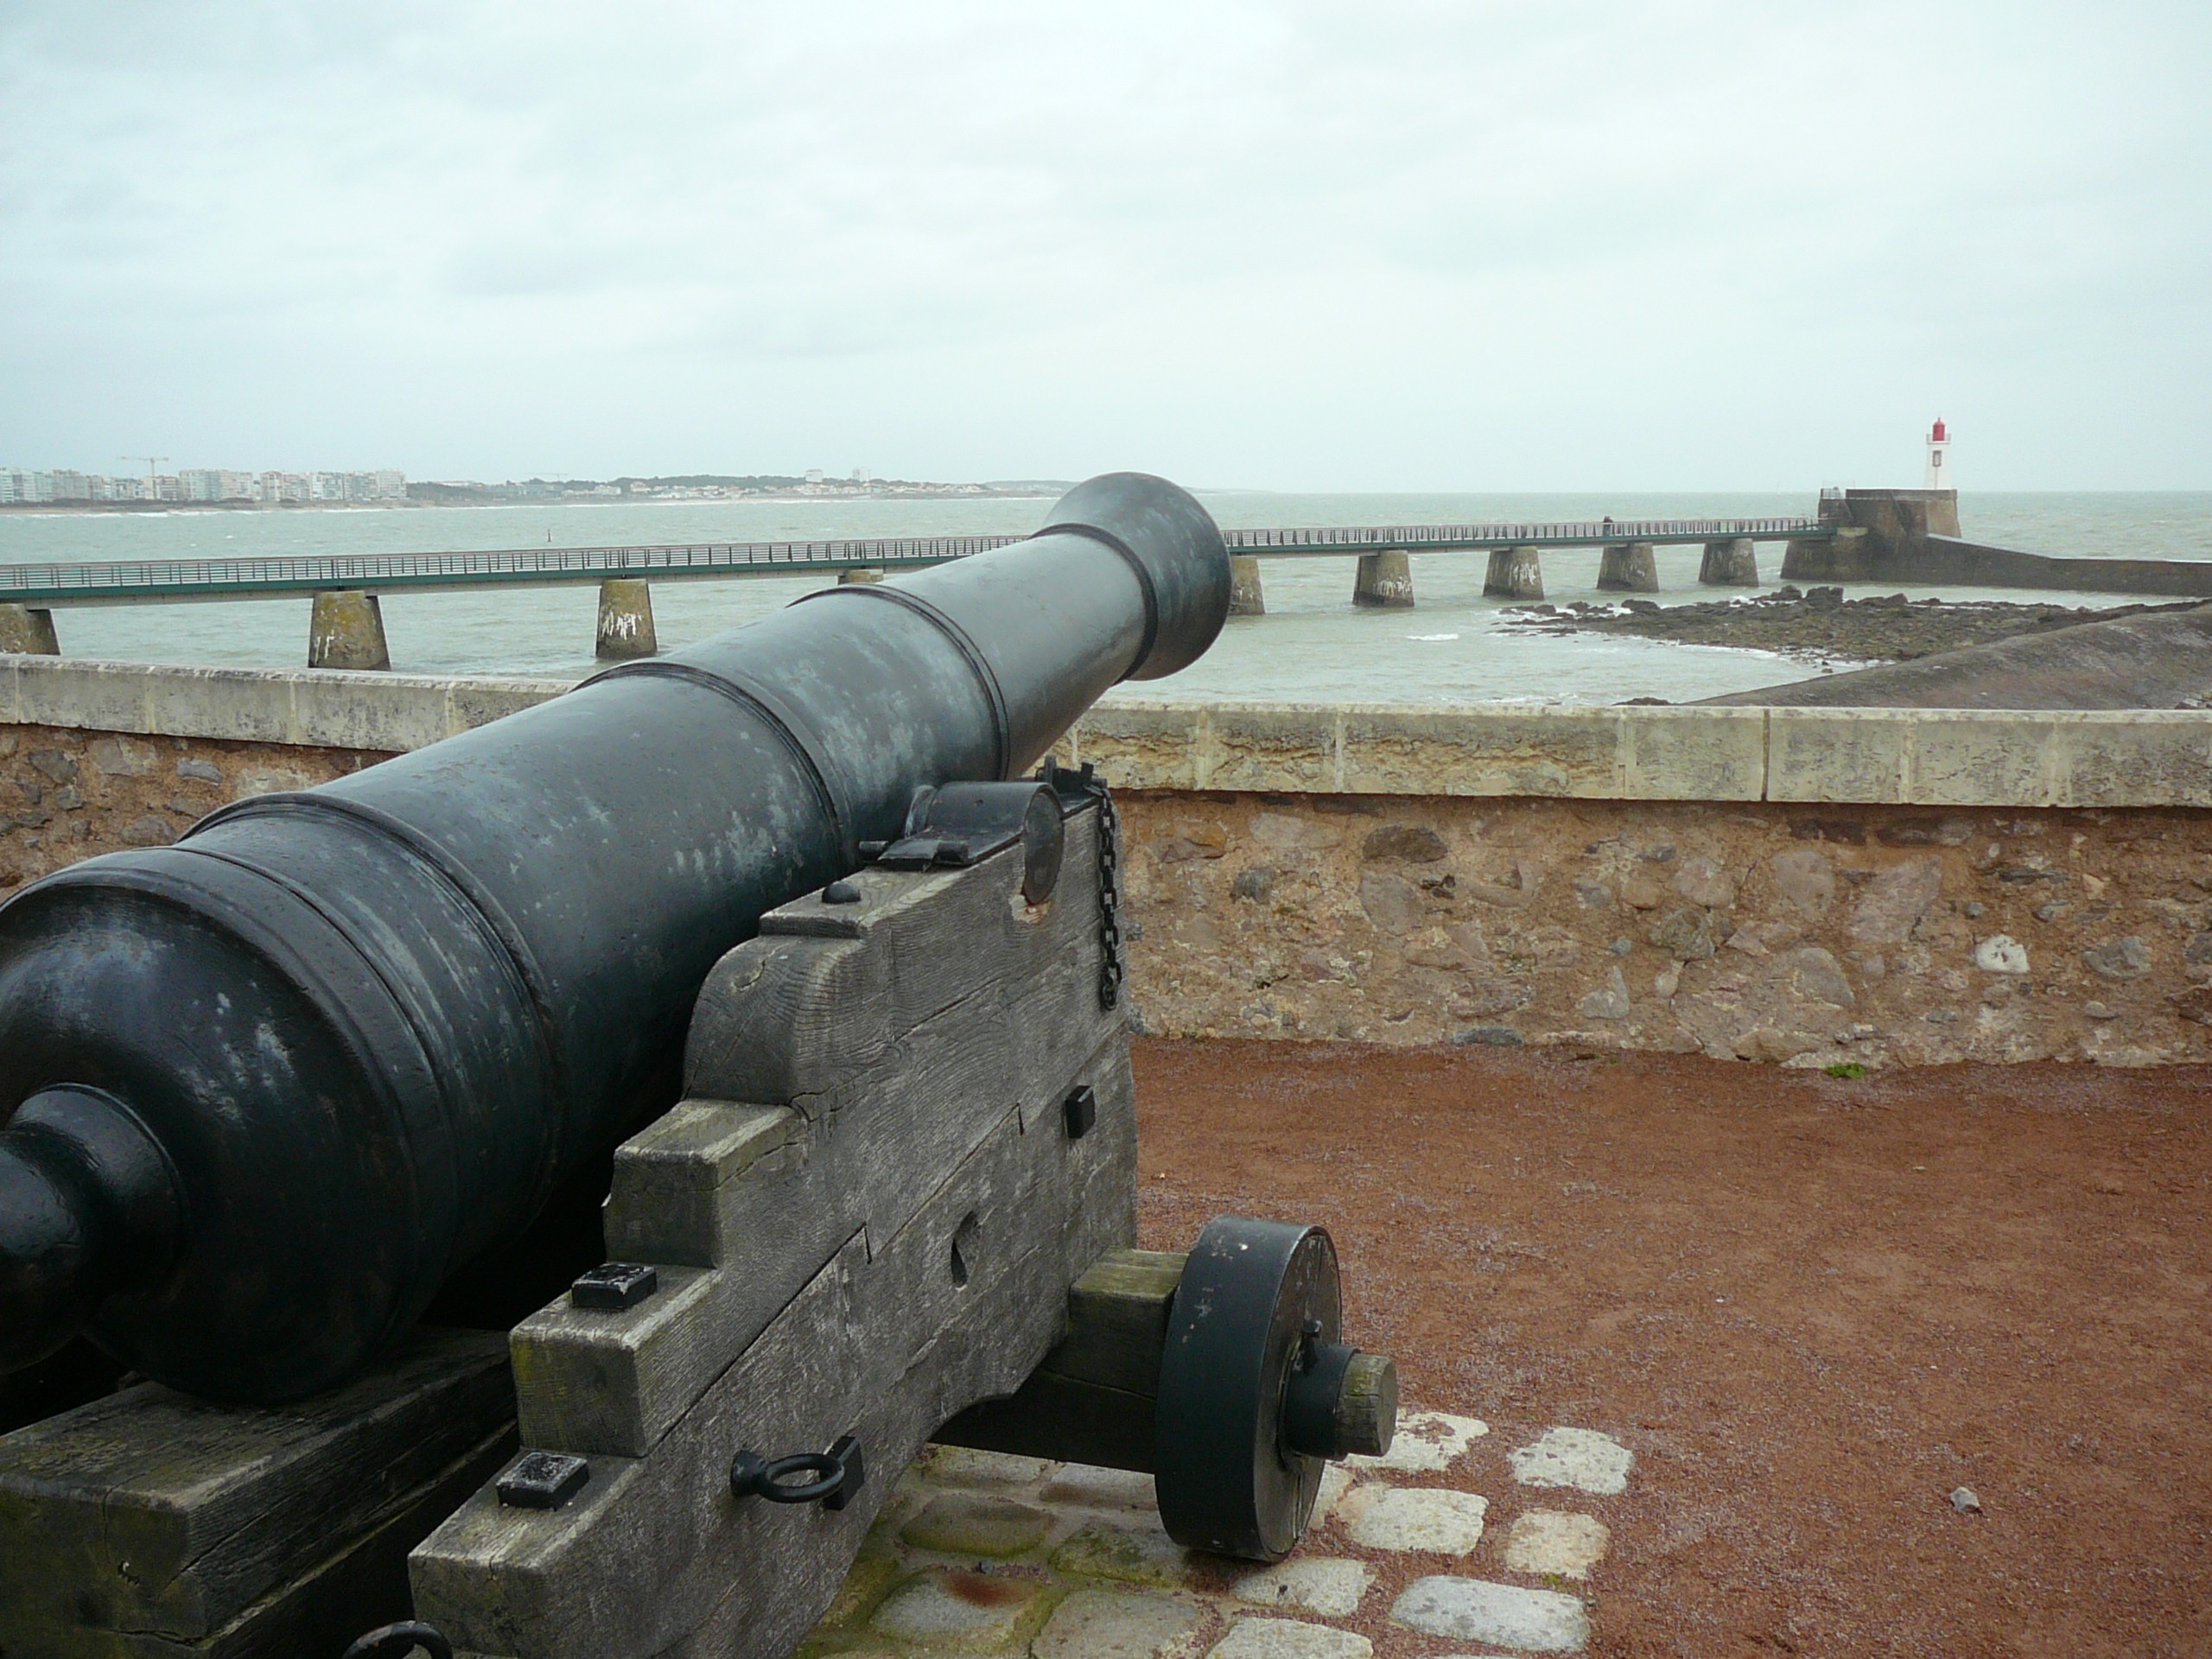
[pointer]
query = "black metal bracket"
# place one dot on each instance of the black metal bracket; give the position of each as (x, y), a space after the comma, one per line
(614, 1286)
(954, 825)
(544, 1480)
(839, 1474)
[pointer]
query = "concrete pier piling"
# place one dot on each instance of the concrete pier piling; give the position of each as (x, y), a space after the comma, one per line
(1733, 564)
(1628, 567)
(625, 620)
(22, 629)
(346, 631)
(1245, 596)
(1515, 573)
(1846, 556)
(1385, 581)
(859, 576)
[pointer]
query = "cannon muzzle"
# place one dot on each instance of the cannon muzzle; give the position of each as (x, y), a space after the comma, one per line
(267, 1089)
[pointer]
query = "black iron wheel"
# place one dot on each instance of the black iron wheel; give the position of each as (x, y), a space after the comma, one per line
(1253, 1297)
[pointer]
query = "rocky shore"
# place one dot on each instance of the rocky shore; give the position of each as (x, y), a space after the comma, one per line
(1820, 624)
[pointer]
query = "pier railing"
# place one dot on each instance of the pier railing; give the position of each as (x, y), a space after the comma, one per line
(127, 580)
(1590, 532)
(158, 578)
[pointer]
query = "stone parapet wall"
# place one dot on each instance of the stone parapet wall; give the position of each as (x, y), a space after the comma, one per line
(1821, 886)
(1926, 757)
(1819, 934)
(67, 793)
(313, 708)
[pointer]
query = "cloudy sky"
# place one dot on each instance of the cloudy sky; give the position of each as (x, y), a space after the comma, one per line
(1504, 245)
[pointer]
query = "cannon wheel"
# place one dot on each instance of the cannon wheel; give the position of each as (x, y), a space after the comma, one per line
(1251, 1293)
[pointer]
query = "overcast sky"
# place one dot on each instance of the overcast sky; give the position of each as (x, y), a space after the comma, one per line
(1529, 245)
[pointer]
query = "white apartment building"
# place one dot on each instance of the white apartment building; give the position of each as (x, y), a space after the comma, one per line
(212, 484)
(21, 484)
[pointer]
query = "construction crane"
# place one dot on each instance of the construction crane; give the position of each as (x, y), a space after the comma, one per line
(152, 462)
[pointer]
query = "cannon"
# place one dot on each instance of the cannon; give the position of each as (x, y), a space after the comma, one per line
(779, 922)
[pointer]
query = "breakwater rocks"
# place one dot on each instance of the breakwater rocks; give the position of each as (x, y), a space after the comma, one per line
(1820, 623)
(1812, 935)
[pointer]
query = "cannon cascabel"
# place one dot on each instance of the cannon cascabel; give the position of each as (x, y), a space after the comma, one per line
(266, 1089)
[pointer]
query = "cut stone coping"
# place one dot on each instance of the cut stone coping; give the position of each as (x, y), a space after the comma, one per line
(1503, 1615)
(1935, 757)
(1581, 1458)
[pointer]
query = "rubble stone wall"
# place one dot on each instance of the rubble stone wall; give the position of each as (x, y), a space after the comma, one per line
(66, 794)
(1810, 886)
(1809, 934)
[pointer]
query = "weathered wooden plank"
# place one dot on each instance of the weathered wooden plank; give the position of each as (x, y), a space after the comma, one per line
(940, 1091)
(888, 1348)
(362, 1584)
(781, 1019)
(769, 1192)
(1093, 1398)
(666, 1201)
(1065, 1419)
(737, 1628)
(1117, 1320)
(786, 1016)
(150, 1512)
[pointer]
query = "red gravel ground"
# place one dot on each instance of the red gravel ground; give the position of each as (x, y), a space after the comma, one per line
(1811, 1307)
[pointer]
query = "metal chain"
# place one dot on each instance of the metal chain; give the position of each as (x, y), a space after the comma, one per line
(1111, 968)
(1089, 786)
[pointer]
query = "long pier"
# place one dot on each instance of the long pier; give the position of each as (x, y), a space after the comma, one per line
(348, 630)
(131, 581)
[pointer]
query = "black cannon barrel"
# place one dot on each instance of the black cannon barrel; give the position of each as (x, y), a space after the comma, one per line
(265, 1089)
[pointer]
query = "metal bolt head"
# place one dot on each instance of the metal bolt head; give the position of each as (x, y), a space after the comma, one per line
(544, 1480)
(614, 1286)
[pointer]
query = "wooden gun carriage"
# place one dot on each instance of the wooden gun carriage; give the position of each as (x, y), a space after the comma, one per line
(893, 1201)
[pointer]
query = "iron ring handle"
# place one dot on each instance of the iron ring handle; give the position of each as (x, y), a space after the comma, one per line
(752, 1474)
(396, 1641)
(840, 1471)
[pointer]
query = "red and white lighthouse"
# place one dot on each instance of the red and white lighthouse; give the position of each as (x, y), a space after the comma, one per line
(1939, 456)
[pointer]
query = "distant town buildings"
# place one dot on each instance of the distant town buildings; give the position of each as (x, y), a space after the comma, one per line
(220, 486)
(20, 486)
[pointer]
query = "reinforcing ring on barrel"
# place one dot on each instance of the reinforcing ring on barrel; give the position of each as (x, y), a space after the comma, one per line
(397, 1641)
(840, 1470)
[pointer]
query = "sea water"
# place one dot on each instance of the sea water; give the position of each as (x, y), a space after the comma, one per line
(1454, 646)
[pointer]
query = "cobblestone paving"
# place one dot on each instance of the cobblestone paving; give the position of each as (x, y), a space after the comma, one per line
(1453, 1547)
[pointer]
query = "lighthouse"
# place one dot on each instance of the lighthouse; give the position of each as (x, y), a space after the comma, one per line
(1939, 456)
